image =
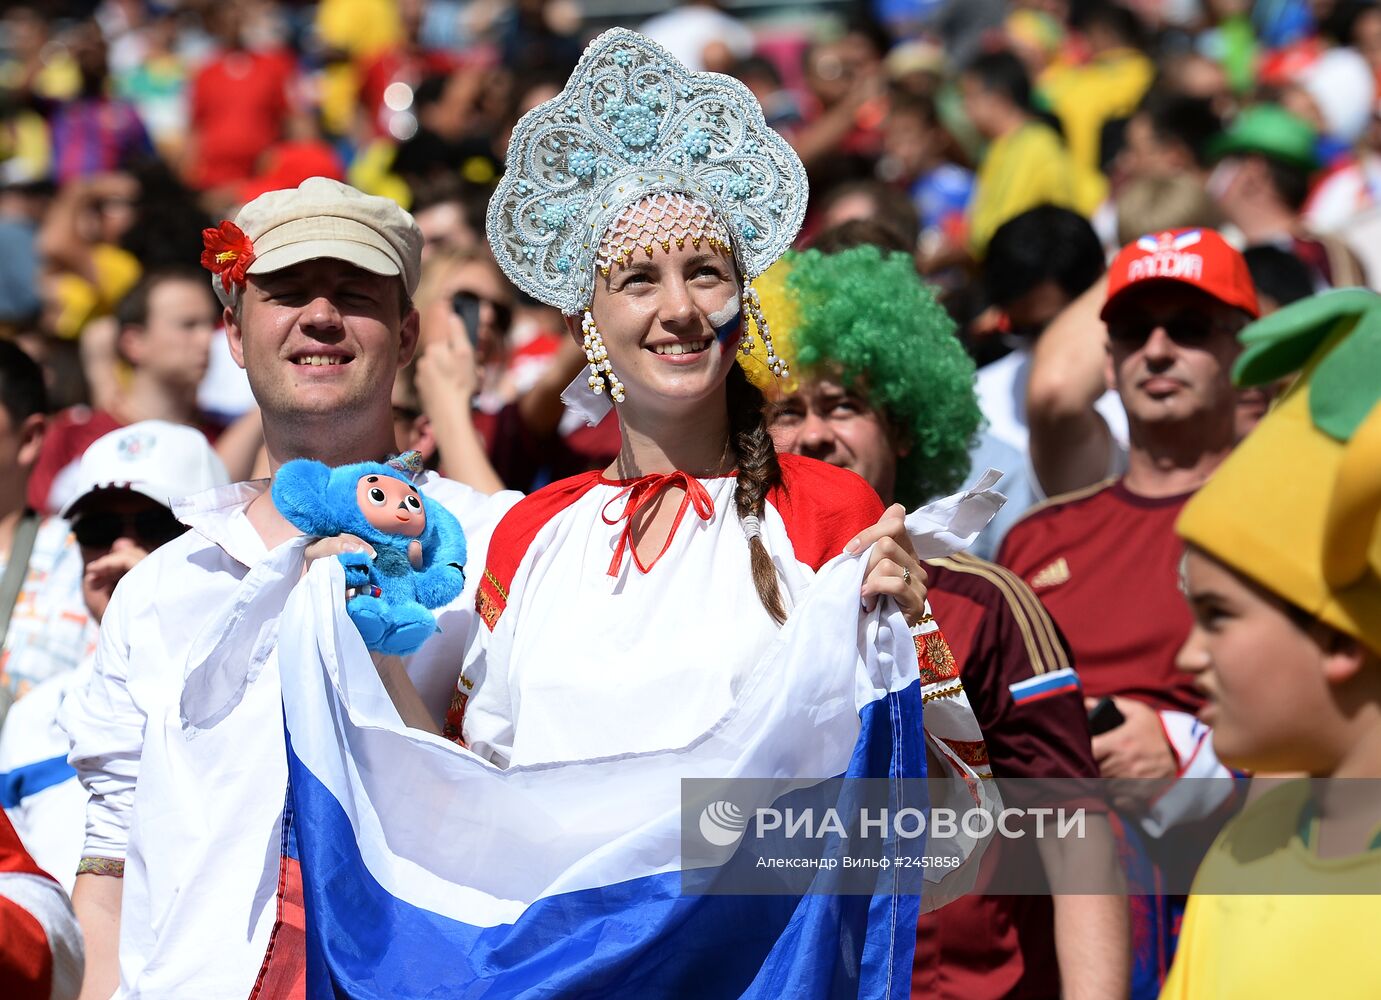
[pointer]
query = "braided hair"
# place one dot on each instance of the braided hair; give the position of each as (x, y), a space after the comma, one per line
(758, 472)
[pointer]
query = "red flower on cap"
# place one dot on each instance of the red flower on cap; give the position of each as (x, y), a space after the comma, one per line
(227, 252)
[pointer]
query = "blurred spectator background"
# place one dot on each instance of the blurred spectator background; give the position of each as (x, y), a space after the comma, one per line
(1010, 147)
(126, 126)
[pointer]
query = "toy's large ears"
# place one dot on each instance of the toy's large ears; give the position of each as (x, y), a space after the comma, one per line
(299, 493)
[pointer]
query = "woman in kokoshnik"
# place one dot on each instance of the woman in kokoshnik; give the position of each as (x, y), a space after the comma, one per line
(623, 607)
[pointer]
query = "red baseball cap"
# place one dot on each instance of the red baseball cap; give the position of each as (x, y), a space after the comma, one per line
(1199, 258)
(288, 164)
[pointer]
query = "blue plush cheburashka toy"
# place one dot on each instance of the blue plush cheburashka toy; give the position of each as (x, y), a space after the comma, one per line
(419, 545)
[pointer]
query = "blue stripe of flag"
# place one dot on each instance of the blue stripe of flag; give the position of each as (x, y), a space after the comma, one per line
(629, 941)
(30, 779)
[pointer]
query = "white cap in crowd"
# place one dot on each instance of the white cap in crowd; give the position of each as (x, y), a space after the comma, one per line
(161, 460)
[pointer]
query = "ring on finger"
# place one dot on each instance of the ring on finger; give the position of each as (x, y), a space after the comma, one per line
(905, 576)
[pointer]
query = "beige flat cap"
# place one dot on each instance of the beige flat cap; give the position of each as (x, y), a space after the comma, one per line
(322, 217)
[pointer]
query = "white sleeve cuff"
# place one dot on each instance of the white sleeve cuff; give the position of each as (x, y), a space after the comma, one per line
(107, 823)
(1192, 797)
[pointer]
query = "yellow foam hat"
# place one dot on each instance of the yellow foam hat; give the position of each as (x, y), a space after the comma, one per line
(1297, 506)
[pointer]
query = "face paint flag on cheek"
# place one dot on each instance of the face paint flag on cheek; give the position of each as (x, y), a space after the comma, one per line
(727, 323)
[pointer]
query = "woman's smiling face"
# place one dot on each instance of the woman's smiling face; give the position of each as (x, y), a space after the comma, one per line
(671, 322)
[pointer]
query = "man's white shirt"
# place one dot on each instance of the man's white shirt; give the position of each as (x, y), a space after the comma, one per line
(197, 813)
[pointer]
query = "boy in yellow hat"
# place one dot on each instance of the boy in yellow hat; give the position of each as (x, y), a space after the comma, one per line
(1283, 572)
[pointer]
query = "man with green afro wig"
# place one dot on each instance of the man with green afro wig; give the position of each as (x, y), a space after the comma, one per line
(881, 385)
(862, 322)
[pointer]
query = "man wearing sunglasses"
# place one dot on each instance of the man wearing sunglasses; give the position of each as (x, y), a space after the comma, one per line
(118, 515)
(122, 510)
(1104, 559)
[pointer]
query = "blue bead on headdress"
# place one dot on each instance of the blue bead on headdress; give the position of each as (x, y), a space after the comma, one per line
(632, 121)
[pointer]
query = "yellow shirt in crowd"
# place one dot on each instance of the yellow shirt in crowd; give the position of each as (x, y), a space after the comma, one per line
(1315, 934)
(79, 301)
(1084, 97)
(359, 29)
(1028, 166)
(26, 153)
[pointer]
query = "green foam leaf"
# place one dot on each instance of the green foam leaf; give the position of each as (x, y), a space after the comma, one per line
(1281, 343)
(1347, 383)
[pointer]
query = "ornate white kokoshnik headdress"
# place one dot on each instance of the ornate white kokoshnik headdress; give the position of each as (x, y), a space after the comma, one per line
(632, 122)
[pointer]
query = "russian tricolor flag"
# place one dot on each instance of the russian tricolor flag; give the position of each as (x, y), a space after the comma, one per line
(428, 872)
(1045, 685)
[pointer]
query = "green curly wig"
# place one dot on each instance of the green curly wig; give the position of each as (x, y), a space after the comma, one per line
(866, 314)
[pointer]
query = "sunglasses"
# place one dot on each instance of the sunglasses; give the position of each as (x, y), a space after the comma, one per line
(1188, 329)
(150, 528)
(469, 302)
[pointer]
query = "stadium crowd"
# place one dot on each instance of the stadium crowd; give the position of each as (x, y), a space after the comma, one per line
(1035, 231)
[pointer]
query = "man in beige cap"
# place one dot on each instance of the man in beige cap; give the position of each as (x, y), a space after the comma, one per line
(184, 872)
(319, 313)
